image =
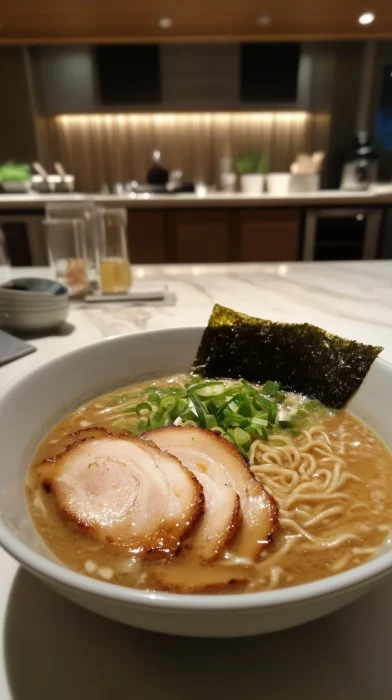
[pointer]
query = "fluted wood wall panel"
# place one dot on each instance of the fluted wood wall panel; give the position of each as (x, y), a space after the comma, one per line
(117, 147)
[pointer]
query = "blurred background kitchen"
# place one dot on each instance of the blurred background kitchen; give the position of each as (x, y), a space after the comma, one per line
(230, 132)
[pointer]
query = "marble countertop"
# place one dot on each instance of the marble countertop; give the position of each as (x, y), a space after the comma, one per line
(49, 648)
(381, 197)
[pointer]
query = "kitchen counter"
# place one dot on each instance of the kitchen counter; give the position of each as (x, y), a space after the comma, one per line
(215, 199)
(51, 648)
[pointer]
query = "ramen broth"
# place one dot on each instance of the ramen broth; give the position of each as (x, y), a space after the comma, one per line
(332, 483)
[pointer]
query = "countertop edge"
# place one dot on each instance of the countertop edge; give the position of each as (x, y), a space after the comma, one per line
(327, 198)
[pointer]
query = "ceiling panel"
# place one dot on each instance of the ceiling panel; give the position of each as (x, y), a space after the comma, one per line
(52, 21)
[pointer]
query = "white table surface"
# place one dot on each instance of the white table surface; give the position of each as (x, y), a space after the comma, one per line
(52, 650)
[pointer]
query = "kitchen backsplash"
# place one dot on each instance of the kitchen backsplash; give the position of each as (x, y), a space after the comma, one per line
(106, 148)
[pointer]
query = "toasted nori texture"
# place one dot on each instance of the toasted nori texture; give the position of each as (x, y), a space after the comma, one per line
(301, 357)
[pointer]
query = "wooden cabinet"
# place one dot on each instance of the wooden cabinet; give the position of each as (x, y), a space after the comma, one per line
(95, 21)
(267, 235)
(146, 236)
(212, 235)
(198, 235)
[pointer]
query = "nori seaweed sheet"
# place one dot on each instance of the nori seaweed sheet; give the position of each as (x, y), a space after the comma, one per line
(303, 358)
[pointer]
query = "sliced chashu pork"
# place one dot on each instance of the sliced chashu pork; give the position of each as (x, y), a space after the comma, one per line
(124, 490)
(222, 516)
(222, 511)
(206, 452)
(60, 444)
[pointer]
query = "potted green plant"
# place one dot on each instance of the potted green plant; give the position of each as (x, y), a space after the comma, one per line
(14, 177)
(252, 167)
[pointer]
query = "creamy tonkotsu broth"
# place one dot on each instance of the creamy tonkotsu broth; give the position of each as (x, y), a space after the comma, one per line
(332, 482)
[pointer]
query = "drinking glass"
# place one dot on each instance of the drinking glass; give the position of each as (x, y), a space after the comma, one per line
(67, 252)
(113, 263)
(85, 210)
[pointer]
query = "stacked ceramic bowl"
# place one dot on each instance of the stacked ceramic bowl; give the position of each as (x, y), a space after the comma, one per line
(33, 305)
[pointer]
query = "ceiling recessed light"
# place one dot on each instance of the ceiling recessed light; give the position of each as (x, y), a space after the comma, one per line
(165, 22)
(264, 20)
(366, 18)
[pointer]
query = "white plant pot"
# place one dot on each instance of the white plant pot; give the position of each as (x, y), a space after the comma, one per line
(252, 183)
(304, 182)
(278, 183)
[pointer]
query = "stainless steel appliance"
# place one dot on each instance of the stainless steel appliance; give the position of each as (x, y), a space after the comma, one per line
(361, 166)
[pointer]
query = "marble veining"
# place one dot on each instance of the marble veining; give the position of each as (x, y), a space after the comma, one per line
(353, 299)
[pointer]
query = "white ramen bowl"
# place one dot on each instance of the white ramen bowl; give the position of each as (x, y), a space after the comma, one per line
(37, 400)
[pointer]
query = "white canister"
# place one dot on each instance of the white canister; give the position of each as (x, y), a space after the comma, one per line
(228, 182)
(252, 183)
(304, 182)
(278, 183)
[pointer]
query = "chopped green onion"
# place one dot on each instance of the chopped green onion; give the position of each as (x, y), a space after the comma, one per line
(240, 436)
(258, 430)
(207, 384)
(211, 391)
(168, 402)
(271, 388)
(143, 423)
(211, 422)
(284, 417)
(238, 411)
(259, 421)
(143, 406)
(222, 408)
(154, 398)
(246, 408)
(199, 408)
(251, 389)
(236, 420)
(129, 409)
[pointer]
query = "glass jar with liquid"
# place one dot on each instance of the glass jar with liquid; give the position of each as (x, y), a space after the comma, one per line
(112, 257)
(67, 253)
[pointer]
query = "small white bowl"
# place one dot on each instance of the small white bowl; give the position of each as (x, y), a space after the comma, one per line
(37, 400)
(33, 288)
(29, 304)
(35, 309)
(29, 321)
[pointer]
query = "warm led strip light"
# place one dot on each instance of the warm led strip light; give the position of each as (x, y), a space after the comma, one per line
(182, 118)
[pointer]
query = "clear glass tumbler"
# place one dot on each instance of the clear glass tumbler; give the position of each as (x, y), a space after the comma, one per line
(113, 262)
(85, 210)
(67, 252)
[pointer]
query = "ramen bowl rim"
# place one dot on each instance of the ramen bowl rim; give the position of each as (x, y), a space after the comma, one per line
(60, 575)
